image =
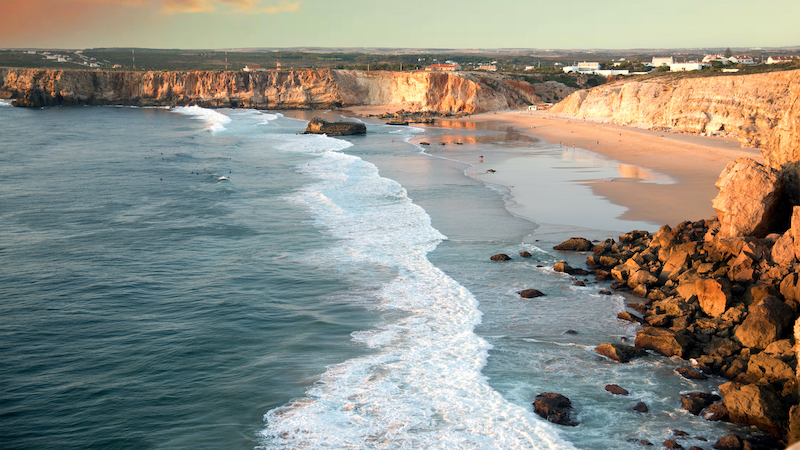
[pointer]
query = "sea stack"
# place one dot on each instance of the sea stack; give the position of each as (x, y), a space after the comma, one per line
(318, 125)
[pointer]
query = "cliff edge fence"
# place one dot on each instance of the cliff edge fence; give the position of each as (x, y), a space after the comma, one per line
(302, 89)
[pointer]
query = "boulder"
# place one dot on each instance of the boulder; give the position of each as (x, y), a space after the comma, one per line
(640, 407)
(530, 293)
(715, 412)
(625, 315)
(620, 352)
(641, 277)
(501, 257)
(690, 374)
(525, 254)
(794, 230)
(769, 369)
(794, 425)
(714, 295)
(783, 252)
(753, 404)
(730, 442)
(752, 200)
(318, 125)
(672, 444)
(696, 402)
(664, 341)
(555, 408)
(575, 244)
(767, 321)
(616, 389)
(790, 287)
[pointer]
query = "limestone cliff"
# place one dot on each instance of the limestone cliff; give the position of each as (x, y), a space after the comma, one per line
(746, 106)
(302, 89)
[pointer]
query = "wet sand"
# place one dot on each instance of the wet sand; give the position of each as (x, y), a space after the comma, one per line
(692, 162)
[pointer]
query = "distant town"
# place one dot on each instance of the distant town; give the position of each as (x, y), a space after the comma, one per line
(573, 62)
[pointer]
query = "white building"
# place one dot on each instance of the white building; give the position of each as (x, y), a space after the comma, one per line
(489, 67)
(662, 61)
(443, 67)
(741, 59)
(683, 67)
(254, 69)
(588, 66)
(718, 58)
(779, 59)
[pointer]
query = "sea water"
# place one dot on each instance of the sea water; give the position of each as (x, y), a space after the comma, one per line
(194, 278)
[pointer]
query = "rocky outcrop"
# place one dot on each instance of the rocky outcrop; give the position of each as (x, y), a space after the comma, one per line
(754, 108)
(298, 89)
(752, 200)
(555, 408)
(318, 125)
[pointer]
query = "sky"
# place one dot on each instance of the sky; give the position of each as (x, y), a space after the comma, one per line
(452, 24)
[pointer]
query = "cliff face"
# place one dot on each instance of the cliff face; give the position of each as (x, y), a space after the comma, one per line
(749, 106)
(306, 89)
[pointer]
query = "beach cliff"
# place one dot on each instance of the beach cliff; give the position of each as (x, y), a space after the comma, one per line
(748, 107)
(296, 89)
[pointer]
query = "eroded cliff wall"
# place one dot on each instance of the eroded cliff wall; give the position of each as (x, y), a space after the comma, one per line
(304, 89)
(746, 106)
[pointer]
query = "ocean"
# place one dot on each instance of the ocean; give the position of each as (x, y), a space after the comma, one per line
(195, 278)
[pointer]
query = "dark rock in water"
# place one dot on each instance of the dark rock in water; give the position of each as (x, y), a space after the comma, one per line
(397, 122)
(641, 407)
(318, 125)
(530, 293)
(696, 402)
(690, 374)
(579, 283)
(525, 254)
(604, 292)
(625, 315)
(616, 389)
(575, 244)
(501, 257)
(555, 408)
(679, 433)
(563, 267)
(571, 332)
(715, 412)
(424, 143)
(620, 352)
(672, 444)
(730, 442)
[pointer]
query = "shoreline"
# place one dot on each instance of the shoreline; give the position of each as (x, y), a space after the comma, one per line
(658, 177)
(692, 163)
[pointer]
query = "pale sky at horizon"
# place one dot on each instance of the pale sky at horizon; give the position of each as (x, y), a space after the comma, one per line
(219, 24)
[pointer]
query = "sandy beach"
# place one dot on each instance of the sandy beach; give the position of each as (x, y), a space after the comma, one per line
(693, 163)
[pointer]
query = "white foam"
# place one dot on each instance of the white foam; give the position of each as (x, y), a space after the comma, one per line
(260, 117)
(422, 387)
(4, 102)
(216, 121)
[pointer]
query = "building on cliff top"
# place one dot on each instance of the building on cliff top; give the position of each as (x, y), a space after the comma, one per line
(779, 59)
(686, 66)
(662, 61)
(489, 67)
(443, 67)
(254, 69)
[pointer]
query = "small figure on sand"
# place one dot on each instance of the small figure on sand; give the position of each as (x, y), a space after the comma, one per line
(480, 158)
(491, 171)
